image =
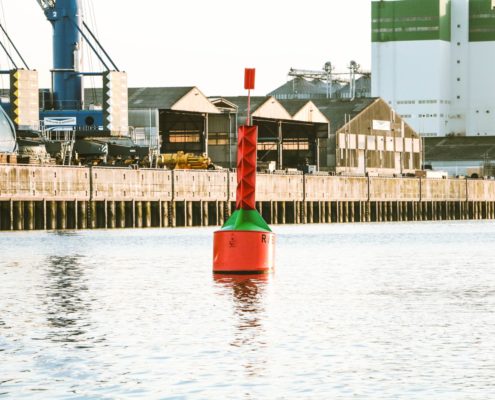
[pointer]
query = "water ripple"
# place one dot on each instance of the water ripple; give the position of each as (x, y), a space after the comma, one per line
(362, 311)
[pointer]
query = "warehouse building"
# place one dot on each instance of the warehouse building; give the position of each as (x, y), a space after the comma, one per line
(168, 119)
(368, 137)
(288, 136)
(180, 113)
(355, 137)
(358, 137)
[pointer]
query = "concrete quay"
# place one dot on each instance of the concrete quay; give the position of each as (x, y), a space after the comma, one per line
(56, 197)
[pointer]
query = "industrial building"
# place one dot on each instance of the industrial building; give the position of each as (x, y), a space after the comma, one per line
(343, 136)
(367, 137)
(180, 116)
(358, 137)
(167, 119)
(354, 137)
(431, 61)
(473, 157)
(301, 88)
(288, 136)
(325, 84)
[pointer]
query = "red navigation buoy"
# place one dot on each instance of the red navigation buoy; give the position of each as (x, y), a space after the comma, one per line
(245, 244)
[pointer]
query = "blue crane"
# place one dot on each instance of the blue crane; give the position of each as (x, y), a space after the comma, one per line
(96, 129)
(69, 31)
(67, 43)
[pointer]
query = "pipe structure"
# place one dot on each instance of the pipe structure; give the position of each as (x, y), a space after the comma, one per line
(65, 17)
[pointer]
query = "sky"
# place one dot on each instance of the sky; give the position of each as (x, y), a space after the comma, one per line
(205, 43)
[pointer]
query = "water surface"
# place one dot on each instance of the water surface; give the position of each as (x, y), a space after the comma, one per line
(361, 311)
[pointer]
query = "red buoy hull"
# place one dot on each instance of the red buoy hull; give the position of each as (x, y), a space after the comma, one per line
(243, 252)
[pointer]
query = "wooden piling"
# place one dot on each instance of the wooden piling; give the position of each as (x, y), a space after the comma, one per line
(18, 216)
(275, 214)
(147, 214)
(138, 207)
(111, 214)
(29, 216)
(165, 217)
(82, 217)
(61, 215)
(172, 214)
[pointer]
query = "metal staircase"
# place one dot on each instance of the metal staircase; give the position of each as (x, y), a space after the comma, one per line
(66, 139)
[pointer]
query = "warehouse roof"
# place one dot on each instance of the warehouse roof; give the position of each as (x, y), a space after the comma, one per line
(293, 106)
(261, 106)
(304, 110)
(188, 98)
(337, 111)
(156, 97)
(460, 148)
(271, 108)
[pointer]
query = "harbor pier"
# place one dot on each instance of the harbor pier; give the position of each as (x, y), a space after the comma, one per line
(56, 197)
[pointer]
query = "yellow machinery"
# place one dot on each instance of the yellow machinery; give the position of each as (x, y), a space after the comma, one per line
(181, 160)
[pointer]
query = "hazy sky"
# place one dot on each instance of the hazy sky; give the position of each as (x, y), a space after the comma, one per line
(206, 43)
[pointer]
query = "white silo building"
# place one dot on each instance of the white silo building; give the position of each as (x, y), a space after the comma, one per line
(432, 60)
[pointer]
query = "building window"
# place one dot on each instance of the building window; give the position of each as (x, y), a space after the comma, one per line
(296, 144)
(267, 146)
(458, 97)
(458, 79)
(218, 139)
(184, 137)
(458, 61)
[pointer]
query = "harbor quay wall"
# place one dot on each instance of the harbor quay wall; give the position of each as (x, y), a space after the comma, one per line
(56, 197)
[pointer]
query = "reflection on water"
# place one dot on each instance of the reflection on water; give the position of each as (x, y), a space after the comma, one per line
(247, 292)
(67, 305)
(249, 309)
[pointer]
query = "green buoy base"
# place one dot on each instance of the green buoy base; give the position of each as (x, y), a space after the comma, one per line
(246, 220)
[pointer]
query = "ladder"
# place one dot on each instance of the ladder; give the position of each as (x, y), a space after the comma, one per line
(66, 139)
(67, 147)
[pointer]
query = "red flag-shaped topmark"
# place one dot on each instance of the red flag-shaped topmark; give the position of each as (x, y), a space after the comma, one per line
(249, 74)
